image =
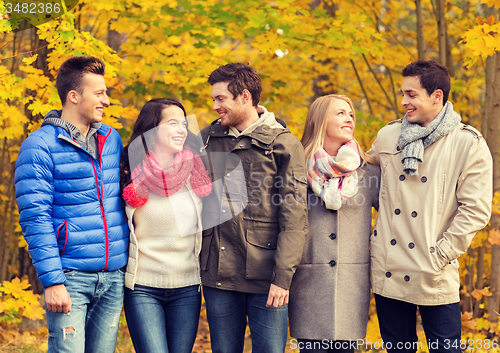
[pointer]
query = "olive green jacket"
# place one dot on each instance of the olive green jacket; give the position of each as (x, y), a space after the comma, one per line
(255, 220)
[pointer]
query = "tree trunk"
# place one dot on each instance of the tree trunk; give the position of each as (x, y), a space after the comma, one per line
(441, 24)
(494, 145)
(420, 31)
(466, 300)
(7, 236)
(488, 99)
(478, 312)
(321, 90)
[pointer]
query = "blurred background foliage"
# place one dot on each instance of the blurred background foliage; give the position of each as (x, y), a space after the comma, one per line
(302, 49)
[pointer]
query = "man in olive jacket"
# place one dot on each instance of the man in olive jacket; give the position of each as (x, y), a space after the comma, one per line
(255, 221)
(435, 194)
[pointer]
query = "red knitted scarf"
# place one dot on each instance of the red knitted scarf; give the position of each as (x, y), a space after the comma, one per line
(149, 175)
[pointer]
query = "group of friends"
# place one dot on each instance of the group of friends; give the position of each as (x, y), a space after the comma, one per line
(275, 232)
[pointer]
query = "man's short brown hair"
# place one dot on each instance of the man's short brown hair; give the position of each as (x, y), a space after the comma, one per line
(239, 77)
(70, 74)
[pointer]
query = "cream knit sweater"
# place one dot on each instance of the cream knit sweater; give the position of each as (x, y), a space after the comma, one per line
(163, 249)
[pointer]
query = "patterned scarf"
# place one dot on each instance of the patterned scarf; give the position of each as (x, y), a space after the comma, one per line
(415, 138)
(335, 179)
(149, 175)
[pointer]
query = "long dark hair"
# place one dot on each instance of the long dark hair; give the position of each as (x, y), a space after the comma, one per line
(149, 118)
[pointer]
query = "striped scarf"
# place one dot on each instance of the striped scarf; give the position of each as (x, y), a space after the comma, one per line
(334, 179)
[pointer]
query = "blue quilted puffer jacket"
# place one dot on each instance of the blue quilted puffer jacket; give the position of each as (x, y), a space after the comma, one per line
(69, 203)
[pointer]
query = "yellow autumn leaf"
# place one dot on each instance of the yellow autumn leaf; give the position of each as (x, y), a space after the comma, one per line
(468, 321)
(492, 3)
(479, 293)
(22, 242)
(494, 236)
(30, 60)
(479, 239)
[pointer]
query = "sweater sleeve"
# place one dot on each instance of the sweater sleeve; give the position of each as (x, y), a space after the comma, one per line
(34, 185)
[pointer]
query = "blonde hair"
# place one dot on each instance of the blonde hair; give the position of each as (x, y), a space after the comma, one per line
(313, 137)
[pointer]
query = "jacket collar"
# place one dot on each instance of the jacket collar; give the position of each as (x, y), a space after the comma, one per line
(265, 133)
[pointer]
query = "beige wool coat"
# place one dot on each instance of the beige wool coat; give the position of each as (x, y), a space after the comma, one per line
(330, 292)
(426, 222)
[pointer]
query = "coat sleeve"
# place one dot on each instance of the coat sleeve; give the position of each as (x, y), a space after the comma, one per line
(374, 150)
(293, 222)
(374, 183)
(474, 195)
(34, 177)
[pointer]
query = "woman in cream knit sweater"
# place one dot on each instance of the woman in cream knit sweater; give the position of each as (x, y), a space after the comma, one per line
(163, 180)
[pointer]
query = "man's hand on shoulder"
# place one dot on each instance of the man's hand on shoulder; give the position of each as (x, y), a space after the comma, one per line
(277, 296)
(57, 299)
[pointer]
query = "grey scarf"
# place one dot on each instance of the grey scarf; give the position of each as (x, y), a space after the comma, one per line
(415, 138)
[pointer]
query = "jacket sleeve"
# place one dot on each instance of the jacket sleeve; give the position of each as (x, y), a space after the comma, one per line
(293, 222)
(374, 150)
(35, 195)
(474, 195)
(375, 185)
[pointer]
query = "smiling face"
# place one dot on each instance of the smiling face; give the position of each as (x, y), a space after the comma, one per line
(92, 99)
(339, 124)
(231, 111)
(171, 132)
(421, 108)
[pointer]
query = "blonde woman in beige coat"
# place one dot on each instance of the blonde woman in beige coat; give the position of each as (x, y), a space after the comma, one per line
(330, 291)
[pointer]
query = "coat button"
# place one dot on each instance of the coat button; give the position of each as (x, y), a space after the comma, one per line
(220, 284)
(423, 179)
(397, 211)
(414, 214)
(388, 274)
(223, 211)
(268, 245)
(402, 177)
(333, 236)
(398, 148)
(222, 248)
(375, 232)
(407, 278)
(225, 132)
(393, 241)
(411, 245)
(332, 263)
(432, 249)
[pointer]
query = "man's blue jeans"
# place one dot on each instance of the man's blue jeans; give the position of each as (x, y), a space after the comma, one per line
(163, 320)
(398, 325)
(227, 313)
(92, 324)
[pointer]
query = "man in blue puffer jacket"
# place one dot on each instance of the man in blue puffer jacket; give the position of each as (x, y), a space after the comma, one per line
(68, 194)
